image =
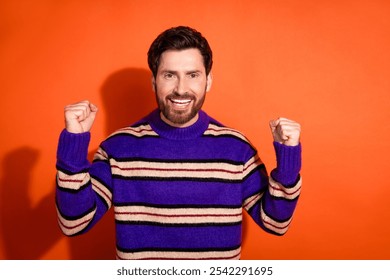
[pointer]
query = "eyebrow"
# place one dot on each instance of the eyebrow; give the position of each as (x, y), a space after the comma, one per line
(176, 72)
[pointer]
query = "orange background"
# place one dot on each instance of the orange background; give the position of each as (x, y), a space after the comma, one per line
(323, 63)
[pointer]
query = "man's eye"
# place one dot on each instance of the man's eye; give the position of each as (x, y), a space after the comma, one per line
(193, 75)
(168, 75)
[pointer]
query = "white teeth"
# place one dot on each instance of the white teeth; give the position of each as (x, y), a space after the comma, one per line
(181, 101)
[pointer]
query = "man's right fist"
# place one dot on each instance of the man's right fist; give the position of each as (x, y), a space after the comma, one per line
(80, 116)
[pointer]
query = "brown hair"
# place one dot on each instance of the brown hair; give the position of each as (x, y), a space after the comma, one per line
(179, 38)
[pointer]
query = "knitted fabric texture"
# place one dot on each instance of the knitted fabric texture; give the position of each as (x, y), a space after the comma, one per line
(177, 193)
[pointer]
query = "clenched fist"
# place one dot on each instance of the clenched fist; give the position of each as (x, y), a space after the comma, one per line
(80, 116)
(285, 131)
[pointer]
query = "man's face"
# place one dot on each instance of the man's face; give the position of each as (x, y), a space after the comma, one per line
(180, 86)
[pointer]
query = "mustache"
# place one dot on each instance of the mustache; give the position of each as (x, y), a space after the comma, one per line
(176, 95)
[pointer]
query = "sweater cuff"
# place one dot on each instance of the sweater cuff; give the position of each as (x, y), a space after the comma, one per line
(288, 164)
(73, 147)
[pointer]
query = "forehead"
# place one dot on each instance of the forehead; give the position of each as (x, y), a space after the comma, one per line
(175, 60)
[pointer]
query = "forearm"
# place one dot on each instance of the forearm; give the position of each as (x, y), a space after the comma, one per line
(280, 199)
(77, 201)
(288, 164)
(277, 194)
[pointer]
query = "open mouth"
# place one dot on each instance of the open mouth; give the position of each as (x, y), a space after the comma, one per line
(180, 103)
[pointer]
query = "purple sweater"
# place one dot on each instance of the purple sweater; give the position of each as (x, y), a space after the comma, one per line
(177, 193)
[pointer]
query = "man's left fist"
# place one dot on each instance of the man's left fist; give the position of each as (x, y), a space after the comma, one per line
(285, 131)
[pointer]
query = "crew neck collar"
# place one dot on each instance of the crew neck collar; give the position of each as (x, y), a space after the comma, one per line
(178, 133)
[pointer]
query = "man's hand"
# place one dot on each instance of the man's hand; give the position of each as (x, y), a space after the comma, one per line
(80, 116)
(285, 131)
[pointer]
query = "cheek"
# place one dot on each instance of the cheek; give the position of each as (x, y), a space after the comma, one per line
(199, 88)
(165, 86)
(163, 91)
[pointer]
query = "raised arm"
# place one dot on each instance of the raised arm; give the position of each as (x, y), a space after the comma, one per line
(81, 197)
(278, 192)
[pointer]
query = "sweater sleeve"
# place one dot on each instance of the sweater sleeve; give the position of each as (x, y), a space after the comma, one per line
(277, 194)
(83, 192)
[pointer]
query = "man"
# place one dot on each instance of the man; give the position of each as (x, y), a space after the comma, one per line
(178, 179)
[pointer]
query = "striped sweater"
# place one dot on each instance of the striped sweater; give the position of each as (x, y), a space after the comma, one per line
(177, 193)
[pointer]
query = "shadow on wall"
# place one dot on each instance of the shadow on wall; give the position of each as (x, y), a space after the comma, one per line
(127, 96)
(30, 232)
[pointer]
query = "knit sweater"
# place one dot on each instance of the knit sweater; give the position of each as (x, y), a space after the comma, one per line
(177, 193)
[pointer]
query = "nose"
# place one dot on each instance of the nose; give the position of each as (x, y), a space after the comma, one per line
(181, 86)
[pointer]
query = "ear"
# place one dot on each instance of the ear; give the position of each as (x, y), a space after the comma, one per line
(209, 81)
(153, 83)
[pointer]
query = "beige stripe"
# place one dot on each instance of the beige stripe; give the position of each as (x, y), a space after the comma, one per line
(100, 154)
(102, 191)
(139, 131)
(278, 190)
(178, 215)
(218, 131)
(252, 164)
(73, 182)
(231, 254)
(177, 170)
(249, 202)
(70, 227)
(273, 225)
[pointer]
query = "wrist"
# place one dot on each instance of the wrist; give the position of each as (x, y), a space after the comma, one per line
(288, 163)
(73, 147)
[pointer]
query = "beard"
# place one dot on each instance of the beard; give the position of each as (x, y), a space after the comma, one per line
(180, 117)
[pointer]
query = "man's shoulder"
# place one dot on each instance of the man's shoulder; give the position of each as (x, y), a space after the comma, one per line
(217, 129)
(139, 129)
